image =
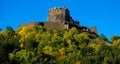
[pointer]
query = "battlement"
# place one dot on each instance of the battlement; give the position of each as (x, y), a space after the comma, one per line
(55, 8)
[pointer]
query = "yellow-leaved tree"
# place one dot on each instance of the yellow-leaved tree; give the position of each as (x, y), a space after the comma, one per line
(26, 32)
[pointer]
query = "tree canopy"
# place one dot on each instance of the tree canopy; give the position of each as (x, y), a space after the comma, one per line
(38, 45)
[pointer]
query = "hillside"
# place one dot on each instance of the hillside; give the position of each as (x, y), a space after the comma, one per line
(58, 40)
(38, 45)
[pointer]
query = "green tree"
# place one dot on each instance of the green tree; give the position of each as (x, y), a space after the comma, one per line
(114, 38)
(0, 29)
(9, 41)
(102, 37)
(81, 38)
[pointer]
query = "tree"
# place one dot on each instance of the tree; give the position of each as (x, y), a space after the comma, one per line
(81, 38)
(8, 42)
(114, 38)
(26, 33)
(102, 37)
(23, 56)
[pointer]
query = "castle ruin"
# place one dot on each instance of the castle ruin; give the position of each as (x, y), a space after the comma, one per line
(59, 18)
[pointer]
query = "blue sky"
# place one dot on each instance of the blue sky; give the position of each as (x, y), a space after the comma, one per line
(104, 14)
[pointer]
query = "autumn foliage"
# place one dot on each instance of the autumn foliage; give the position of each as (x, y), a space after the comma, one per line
(38, 45)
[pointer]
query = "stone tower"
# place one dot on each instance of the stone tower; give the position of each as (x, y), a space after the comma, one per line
(59, 18)
(58, 14)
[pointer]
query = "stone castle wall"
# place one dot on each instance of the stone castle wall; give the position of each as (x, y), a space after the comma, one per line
(93, 30)
(58, 14)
